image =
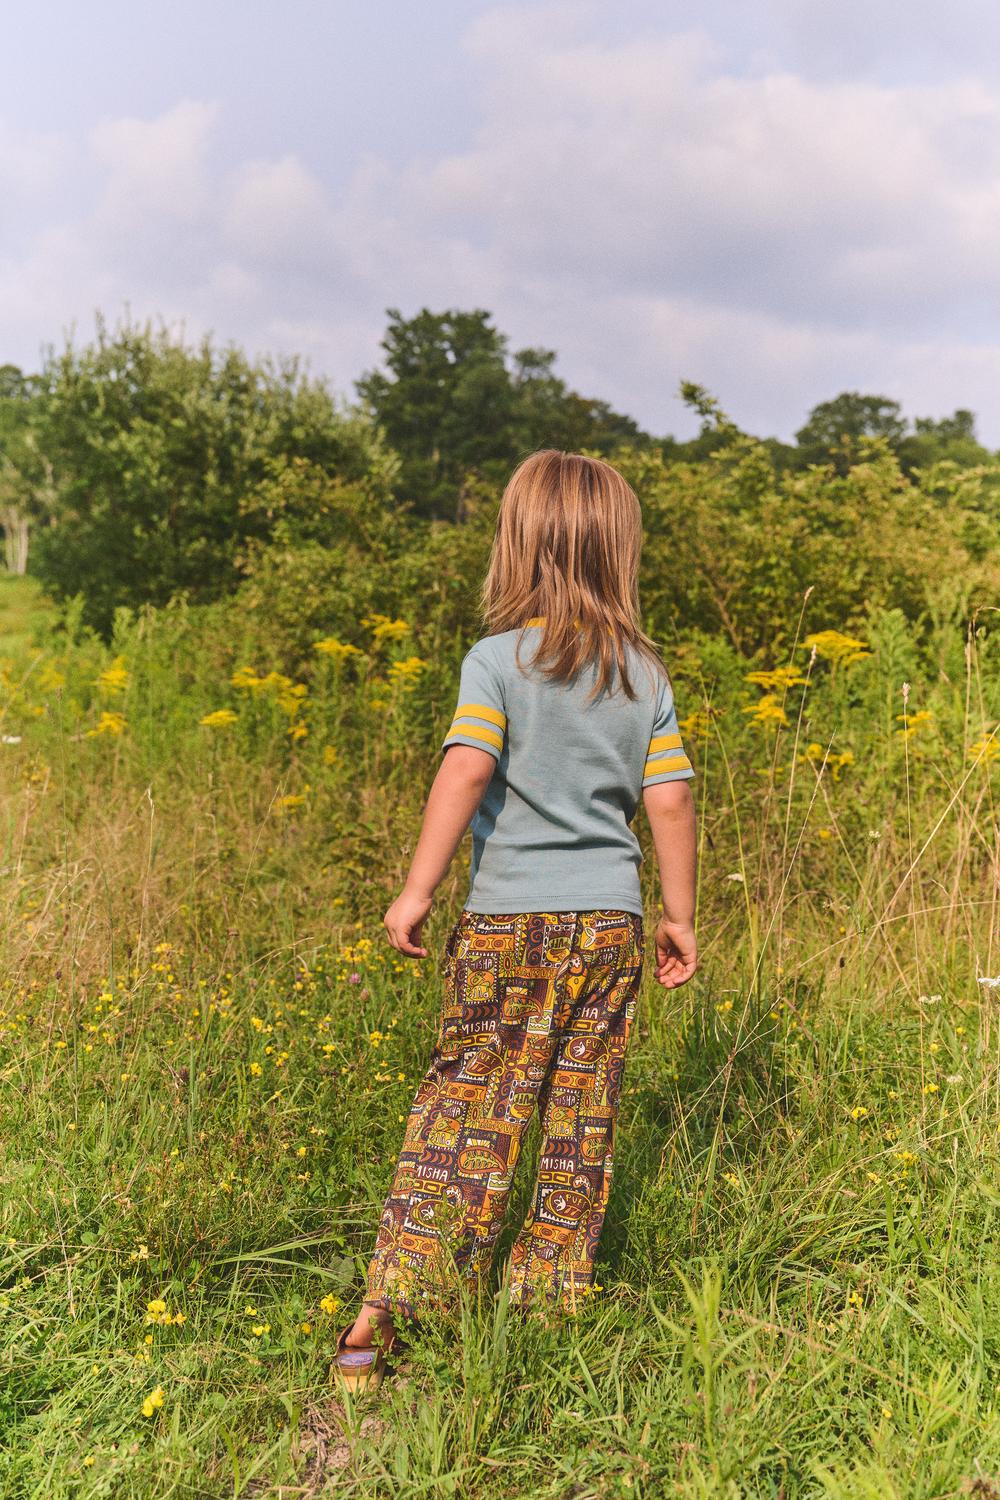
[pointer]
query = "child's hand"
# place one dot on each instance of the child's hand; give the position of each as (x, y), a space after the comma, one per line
(676, 953)
(403, 922)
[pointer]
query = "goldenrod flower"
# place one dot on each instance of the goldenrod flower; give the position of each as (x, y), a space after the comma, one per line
(835, 647)
(384, 629)
(113, 679)
(220, 718)
(405, 673)
(767, 711)
(987, 747)
(48, 680)
(108, 723)
(697, 726)
(339, 650)
(291, 803)
(777, 678)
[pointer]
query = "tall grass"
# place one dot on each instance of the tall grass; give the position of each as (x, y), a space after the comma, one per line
(207, 1049)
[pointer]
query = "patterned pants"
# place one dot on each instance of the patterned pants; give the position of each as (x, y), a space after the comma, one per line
(537, 1011)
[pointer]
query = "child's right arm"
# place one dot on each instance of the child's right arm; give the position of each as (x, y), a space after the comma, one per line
(670, 808)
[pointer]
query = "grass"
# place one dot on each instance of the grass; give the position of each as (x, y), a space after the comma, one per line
(204, 1061)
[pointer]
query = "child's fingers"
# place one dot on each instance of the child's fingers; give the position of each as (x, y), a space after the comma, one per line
(409, 951)
(401, 939)
(675, 971)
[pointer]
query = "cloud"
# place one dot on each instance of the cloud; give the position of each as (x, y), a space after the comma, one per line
(156, 167)
(641, 205)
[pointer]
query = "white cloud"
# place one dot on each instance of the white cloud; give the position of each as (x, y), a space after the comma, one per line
(638, 205)
(158, 166)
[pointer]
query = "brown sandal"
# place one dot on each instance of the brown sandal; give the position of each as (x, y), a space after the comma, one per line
(361, 1370)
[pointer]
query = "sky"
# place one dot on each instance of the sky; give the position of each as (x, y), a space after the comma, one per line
(780, 201)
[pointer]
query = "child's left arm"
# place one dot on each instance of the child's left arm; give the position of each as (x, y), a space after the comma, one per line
(457, 791)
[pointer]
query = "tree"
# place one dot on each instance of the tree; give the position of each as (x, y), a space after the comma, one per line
(452, 403)
(446, 404)
(835, 430)
(950, 439)
(154, 447)
(549, 415)
(25, 474)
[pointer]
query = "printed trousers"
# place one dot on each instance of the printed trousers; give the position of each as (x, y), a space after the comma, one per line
(537, 1012)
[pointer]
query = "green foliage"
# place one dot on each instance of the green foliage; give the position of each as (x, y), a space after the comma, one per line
(837, 432)
(451, 406)
(154, 450)
(734, 545)
(207, 1048)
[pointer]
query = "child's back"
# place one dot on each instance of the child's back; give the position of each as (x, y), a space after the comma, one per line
(552, 831)
(565, 717)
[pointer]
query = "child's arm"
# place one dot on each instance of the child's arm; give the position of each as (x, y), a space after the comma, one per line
(670, 809)
(458, 789)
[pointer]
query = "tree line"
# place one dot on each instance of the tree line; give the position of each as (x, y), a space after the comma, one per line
(137, 468)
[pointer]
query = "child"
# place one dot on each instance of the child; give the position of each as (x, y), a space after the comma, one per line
(565, 715)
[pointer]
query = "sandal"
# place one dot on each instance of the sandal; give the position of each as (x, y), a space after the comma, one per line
(361, 1370)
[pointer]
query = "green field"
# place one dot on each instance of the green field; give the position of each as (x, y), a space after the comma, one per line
(207, 1050)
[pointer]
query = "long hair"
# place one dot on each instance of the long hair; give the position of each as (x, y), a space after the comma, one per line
(566, 552)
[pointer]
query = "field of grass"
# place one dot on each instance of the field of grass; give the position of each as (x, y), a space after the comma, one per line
(207, 1050)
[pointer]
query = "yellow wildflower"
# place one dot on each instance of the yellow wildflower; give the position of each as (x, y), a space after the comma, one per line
(220, 718)
(108, 723)
(339, 650)
(767, 711)
(290, 803)
(912, 722)
(49, 680)
(405, 673)
(384, 629)
(113, 679)
(840, 649)
(153, 1401)
(987, 747)
(777, 678)
(697, 726)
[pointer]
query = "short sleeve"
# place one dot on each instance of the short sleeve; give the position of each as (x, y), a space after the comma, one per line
(480, 719)
(665, 758)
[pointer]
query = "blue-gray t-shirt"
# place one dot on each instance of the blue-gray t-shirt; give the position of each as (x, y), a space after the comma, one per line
(552, 831)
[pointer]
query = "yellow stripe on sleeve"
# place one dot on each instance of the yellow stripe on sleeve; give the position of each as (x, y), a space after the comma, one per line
(666, 763)
(480, 711)
(664, 742)
(475, 732)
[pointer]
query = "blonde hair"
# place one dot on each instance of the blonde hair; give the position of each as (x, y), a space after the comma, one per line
(566, 549)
